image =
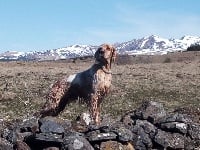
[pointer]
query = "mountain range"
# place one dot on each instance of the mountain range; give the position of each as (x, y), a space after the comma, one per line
(150, 45)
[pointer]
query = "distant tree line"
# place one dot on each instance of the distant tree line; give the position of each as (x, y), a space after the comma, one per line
(194, 47)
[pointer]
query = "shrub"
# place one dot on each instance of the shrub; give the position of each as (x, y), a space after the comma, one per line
(194, 47)
(167, 60)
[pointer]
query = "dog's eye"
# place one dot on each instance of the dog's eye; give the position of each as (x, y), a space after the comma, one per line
(101, 51)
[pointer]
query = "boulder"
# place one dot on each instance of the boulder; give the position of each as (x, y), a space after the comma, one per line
(151, 111)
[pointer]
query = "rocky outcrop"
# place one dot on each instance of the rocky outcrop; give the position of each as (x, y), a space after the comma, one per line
(148, 127)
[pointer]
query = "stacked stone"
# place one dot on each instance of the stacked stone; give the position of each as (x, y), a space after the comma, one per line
(148, 127)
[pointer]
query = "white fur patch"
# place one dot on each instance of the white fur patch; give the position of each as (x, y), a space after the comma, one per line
(86, 118)
(71, 78)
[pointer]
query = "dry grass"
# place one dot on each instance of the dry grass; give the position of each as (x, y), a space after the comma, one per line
(23, 85)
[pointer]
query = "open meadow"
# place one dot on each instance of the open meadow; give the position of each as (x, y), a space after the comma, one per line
(172, 79)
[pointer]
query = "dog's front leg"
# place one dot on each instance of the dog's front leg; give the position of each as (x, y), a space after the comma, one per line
(95, 109)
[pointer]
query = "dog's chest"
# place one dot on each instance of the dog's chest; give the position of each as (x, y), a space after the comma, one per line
(102, 80)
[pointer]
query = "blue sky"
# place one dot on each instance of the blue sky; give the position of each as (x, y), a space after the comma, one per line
(29, 25)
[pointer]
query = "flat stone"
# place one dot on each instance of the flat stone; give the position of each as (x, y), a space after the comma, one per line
(97, 136)
(175, 127)
(50, 125)
(43, 140)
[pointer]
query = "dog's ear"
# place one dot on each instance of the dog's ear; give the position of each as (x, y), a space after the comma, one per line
(114, 54)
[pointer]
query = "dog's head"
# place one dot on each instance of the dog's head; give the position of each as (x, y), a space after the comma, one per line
(105, 54)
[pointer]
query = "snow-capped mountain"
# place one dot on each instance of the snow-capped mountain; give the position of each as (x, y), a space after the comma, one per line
(61, 53)
(150, 45)
(11, 55)
(156, 45)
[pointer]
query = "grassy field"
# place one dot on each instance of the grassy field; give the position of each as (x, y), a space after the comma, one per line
(172, 79)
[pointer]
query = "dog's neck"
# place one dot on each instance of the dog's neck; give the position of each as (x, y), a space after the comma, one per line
(106, 68)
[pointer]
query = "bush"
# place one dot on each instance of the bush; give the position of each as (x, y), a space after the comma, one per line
(194, 47)
(167, 60)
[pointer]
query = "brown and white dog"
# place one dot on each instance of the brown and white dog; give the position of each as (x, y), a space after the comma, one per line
(91, 85)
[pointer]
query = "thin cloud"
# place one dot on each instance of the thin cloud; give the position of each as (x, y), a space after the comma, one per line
(157, 22)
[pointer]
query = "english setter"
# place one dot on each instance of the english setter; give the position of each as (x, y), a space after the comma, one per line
(91, 85)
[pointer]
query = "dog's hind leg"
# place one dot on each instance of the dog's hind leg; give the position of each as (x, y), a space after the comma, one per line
(56, 99)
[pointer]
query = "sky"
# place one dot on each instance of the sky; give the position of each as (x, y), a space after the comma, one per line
(36, 25)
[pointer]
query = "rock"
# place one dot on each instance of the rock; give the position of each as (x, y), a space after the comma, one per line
(108, 121)
(114, 145)
(43, 140)
(17, 130)
(82, 122)
(95, 136)
(176, 117)
(75, 141)
(28, 125)
(51, 125)
(123, 134)
(21, 136)
(191, 144)
(168, 140)
(20, 145)
(9, 135)
(128, 121)
(142, 140)
(148, 127)
(51, 148)
(5, 145)
(193, 113)
(151, 111)
(143, 131)
(175, 127)
(26, 128)
(194, 131)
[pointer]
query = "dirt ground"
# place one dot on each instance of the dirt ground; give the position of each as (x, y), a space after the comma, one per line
(172, 79)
